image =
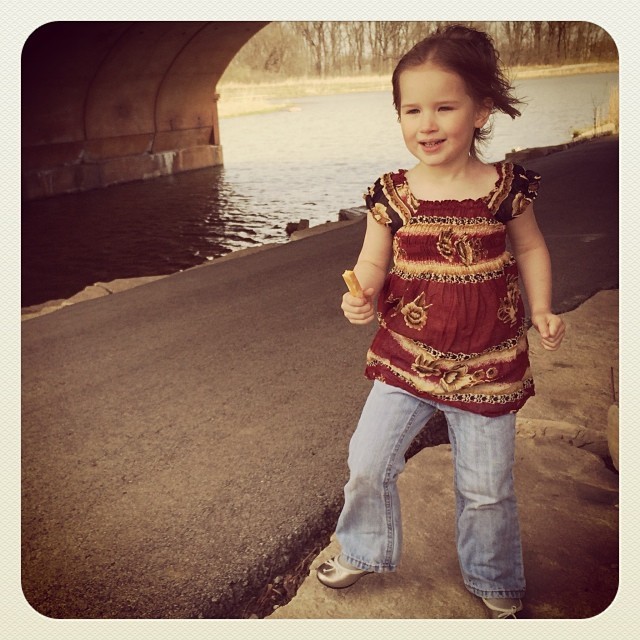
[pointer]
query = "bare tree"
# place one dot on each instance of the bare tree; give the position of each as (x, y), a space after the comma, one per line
(336, 44)
(322, 48)
(314, 35)
(356, 38)
(513, 47)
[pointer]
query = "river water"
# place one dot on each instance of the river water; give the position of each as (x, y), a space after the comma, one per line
(307, 162)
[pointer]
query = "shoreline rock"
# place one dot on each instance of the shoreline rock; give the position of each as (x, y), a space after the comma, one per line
(521, 155)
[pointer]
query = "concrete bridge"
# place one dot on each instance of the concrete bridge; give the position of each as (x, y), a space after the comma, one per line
(110, 102)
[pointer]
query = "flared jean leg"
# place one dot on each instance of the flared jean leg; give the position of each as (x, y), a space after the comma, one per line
(369, 529)
(487, 525)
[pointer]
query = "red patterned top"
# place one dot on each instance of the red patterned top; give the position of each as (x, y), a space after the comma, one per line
(450, 312)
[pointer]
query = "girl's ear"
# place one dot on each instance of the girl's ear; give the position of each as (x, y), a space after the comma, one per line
(483, 111)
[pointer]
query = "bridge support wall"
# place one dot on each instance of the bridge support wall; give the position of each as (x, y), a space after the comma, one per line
(111, 102)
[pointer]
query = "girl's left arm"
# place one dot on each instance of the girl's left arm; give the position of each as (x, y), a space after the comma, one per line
(534, 264)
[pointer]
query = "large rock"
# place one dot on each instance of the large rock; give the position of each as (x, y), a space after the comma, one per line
(568, 498)
(569, 519)
(574, 383)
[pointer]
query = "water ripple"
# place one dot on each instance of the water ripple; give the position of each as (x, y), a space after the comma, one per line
(309, 164)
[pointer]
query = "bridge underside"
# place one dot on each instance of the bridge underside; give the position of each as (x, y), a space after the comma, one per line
(110, 102)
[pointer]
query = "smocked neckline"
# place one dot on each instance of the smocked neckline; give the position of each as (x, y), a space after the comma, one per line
(500, 169)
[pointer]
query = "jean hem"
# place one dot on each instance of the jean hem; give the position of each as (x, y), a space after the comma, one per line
(496, 593)
(365, 566)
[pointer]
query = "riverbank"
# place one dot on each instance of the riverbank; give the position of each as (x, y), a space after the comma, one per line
(345, 218)
(238, 99)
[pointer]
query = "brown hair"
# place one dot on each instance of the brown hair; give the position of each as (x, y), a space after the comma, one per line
(469, 53)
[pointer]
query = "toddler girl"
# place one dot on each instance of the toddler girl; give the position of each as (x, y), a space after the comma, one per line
(452, 334)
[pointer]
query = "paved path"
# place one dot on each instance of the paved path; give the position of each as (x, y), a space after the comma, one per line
(184, 441)
(579, 215)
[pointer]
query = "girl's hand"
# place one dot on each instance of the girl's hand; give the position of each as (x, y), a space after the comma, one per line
(551, 329)
(359, 310)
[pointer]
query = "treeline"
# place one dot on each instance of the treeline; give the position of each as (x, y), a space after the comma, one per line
(348, 48)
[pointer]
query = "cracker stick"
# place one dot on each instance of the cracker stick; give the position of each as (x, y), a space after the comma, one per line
(352, 282)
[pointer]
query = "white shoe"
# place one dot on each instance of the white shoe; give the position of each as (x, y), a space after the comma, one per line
(503, 607)
(336, 575)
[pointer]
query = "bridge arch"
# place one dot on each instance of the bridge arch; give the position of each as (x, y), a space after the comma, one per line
(110, 102)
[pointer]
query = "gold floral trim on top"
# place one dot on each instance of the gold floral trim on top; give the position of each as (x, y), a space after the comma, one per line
(399, 252)
(453, 378)
(398, 304)
(480, 223)
(450, 278)
(459, 378)
(427, 365)
(500, 193)
(457, 272)
(445, 244)
(468, 250)
(508, 310)
(522, 200)
(428, 227)
(484, 391)
(534, 182)
(379, 212)
(405, 194)
(400, 206)
(426, 358)
(415, 313)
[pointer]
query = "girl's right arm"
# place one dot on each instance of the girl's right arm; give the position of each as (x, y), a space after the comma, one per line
(371, 270)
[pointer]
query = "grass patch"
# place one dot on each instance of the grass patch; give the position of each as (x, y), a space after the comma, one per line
(240, 98)
(261, 97)
(606, 120)
(547, 71)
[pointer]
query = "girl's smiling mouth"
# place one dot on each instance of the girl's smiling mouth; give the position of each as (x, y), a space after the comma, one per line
(430, 145)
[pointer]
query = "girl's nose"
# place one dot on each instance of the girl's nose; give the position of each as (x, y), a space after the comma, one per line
(428, 122)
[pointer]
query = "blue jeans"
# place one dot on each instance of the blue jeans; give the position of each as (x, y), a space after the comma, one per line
(369, 529)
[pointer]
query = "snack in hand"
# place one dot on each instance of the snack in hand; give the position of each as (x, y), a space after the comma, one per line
(352, 282)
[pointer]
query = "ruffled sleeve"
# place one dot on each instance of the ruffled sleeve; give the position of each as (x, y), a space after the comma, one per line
(377, 201)
(524, 190)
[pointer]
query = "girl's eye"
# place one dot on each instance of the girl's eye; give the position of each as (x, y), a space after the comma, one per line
(412, 111)
(446, 108)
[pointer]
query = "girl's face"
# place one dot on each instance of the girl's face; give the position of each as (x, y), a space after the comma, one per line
(437, 116)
